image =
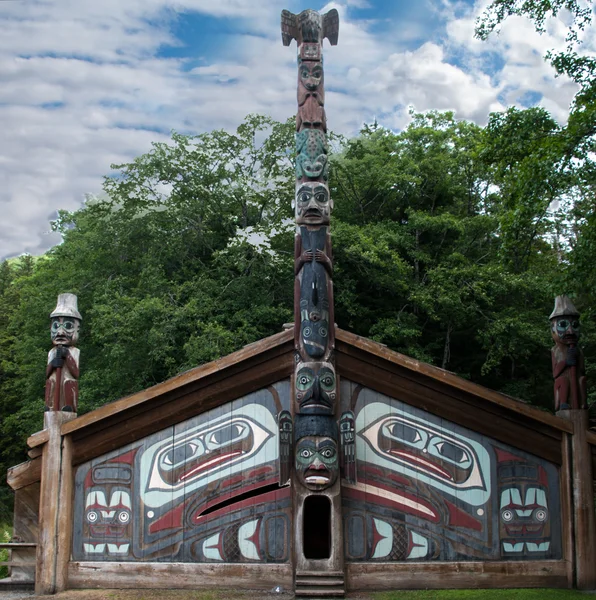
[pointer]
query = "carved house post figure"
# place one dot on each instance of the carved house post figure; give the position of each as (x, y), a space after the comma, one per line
(62, 371)
(567, 357)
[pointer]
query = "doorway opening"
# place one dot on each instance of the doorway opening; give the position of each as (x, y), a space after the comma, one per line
(316, 527)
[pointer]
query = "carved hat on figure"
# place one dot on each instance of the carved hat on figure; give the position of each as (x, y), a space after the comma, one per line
(66, 320)
(317, 459)
(565, 326)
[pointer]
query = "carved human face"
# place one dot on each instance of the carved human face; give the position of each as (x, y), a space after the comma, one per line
(310, 74)
(565, 329)
(314, 330)
(313, 204)
(315, 387)
(65, 331)
(316, 462)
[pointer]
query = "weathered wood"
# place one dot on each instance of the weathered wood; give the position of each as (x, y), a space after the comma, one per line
(464, 409)
(436, 575)
(34, 452)
(584, 522)
(38, 438)
(49, 509)
(451, 379)
(25, 527)
(566, 496)
(65, 515)
(591, 438)
(24, 474)
(178, 575)
(131, 427)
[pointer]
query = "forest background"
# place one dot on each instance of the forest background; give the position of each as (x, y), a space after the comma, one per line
(450, 241)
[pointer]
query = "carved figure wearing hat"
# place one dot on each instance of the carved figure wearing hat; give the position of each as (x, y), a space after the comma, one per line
(62, 372)
(567, 356)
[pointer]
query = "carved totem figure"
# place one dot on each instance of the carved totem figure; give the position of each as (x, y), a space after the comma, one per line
(62, 372)
(317, 459)
(567, 356)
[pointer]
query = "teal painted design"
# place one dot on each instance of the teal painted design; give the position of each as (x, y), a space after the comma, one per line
(311, 160)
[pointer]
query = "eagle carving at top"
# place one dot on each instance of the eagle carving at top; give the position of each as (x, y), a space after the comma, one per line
(310, 27)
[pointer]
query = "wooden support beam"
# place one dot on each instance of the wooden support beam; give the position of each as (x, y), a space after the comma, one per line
(53, 475)
(65, 515)
(584, 522)
(24, 474)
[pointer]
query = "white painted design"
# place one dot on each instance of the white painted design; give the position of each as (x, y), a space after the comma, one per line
(118, 548)
(518, 547)
(419, 546)
(247, 547)
(211, 547)
(94, 548)
(383, 547)
(533, 547)
(96, 497)
(120, 498)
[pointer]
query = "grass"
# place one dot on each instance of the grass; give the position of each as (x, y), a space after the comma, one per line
(520, 594)
(5, 534)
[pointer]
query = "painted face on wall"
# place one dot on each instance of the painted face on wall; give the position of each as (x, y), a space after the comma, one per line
(315, 387)
(310, 74)
(565, 329)
(316, 462)
(313, 205)
(65, 331)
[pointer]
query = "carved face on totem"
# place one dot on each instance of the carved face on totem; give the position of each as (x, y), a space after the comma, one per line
(314, 329)
(65, 331)
(565, 329)
(313, 205)
(310, 74)
(317, 462)
(315, 387)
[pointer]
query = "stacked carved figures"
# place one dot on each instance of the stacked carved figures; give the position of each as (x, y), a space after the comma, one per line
(62, 372)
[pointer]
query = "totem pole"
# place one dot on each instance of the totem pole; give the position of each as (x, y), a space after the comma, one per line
(567, 357)
(62, 372)
(316, 435)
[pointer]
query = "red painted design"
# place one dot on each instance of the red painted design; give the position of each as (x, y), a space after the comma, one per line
(503, 455)
(459, 518)
(254, 538)
(127, 457)
(171, 520)
(377, 537)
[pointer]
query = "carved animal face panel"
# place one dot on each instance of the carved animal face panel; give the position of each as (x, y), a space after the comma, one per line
(108, 521)
(315, 387)
(314, 329)
(311, 161)
(313, 204)
(316, 462)
(565, 329)
(442, 459)
(65, 331)
(310, 74)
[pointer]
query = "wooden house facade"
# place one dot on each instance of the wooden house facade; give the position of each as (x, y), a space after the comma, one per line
(179, 485)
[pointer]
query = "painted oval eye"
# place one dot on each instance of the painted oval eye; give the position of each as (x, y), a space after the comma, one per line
(507, 515)
(304, 73)
(306, 453)
(317, 72)
(180, 453)
(401, 431)
(323, 332)
(563, 323)
(451, 452)
(92, 516)
(55, 326)
(124, 516)
(304, 197)
(328, 381)
(540, 515)
(575, 324)
(306, 332)
(321, 198)
(68, 325)
(304, 381)
(227, 435)
(328, 453)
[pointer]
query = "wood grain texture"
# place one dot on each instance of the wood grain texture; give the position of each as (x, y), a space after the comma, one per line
(26, 516)
(419, 575)
(178, 575)
(38, 438)
(460, 407)
(566, 495)
(24, 474)
(65, 515)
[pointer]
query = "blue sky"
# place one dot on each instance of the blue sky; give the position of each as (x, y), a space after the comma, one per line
(86, 84)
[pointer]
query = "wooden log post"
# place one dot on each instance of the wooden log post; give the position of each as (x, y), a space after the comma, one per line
(55, 510)
(584, 522)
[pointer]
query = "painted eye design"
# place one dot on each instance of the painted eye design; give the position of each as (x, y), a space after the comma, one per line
(55, 326)
(328, 453)
(451, 452)
(68, 325)
(227, 435)
(540, 515)
(402, 432)
(304, 197)
(307, 332)
(328, 381)
(507, 515)
(92, 516)
(321, 198)
(323, 331)
(306, 453)
(124, 516)
(182, 453)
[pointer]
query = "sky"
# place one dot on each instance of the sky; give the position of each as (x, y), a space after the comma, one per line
(85, 84)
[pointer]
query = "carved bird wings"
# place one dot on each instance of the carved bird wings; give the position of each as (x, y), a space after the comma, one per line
(309, 26)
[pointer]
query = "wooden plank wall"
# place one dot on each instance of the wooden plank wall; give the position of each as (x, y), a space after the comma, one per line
(26, 516)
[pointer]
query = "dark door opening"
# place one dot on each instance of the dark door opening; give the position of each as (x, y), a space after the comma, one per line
(316, 538)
